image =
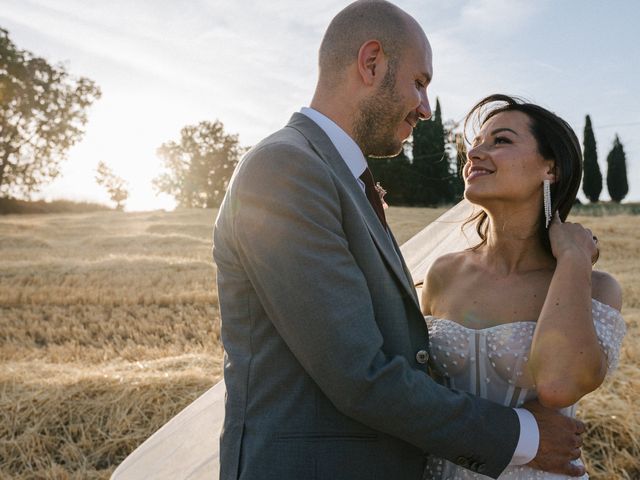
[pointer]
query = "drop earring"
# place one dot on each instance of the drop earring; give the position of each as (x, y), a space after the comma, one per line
(546, 186)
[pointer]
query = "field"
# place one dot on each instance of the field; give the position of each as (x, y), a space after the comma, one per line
(109, 327)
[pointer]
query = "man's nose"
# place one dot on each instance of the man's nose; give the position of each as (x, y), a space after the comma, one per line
(424, 109)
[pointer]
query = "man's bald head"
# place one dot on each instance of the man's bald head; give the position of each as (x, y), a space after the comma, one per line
(358, 23)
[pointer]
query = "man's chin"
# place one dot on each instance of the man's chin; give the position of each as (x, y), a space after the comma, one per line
(387, 152)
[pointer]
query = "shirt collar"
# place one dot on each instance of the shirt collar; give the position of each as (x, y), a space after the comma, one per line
(346, 146)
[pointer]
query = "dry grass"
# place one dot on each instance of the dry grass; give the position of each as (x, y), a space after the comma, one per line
(110, 327)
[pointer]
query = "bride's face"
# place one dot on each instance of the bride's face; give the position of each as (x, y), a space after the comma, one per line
(504, 164)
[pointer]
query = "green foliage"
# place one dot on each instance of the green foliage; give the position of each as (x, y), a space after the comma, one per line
(605, 209)
(592, 178)
(116, 186)
(13, 206)
(43, 114)
(199, 166)
(617, 183)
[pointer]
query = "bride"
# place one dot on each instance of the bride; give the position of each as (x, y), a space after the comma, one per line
(513, 307)
(521, 314)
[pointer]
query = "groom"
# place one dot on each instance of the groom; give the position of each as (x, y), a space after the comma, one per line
(326, 347)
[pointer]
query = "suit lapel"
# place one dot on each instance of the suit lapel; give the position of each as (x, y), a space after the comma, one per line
(407, 272)
(321, 143)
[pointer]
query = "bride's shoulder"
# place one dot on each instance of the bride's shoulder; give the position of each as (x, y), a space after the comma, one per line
(446, 265)
(606, 289)
(439, 276)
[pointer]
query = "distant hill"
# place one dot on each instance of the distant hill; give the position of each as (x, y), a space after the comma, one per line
(14, 206)
(603, 209)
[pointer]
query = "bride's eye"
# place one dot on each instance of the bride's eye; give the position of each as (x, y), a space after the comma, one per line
(502, 140)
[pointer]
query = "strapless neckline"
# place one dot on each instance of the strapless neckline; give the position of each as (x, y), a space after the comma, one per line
(517, 322)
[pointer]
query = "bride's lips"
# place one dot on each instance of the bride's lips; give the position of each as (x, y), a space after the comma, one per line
(475, 172)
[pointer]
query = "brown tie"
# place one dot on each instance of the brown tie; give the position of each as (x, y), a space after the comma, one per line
(373, 196)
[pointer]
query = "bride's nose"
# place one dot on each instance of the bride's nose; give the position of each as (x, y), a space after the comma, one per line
(476, 152)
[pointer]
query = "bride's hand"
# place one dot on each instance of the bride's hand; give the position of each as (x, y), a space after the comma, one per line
(572, 239)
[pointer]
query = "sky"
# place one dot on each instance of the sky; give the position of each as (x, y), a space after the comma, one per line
(165, 64)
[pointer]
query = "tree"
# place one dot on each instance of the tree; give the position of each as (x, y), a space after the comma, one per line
(42, 114)
(199, 167)
(116, 186)
(431, 163)
(617, 172)
(457, 152)
(592, 178)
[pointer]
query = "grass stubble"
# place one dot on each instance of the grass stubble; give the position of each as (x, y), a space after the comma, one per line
(109, 326)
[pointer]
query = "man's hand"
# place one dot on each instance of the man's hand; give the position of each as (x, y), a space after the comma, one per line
(560, 441)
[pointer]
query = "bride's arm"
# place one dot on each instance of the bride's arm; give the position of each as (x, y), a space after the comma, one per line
(567, 361)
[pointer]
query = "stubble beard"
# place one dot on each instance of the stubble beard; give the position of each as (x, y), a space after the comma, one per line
(376, 123)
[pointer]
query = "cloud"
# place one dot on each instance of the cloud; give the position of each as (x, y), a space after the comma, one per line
(498, 17)
(474, 50)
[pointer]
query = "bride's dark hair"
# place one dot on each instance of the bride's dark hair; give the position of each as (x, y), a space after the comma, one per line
(556, 141)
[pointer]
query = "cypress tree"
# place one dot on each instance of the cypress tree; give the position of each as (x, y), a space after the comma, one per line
(592, 178)
(617, 172)
(431, 183)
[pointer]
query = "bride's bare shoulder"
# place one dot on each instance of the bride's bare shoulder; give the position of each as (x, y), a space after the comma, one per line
(448, 263)
(606, 289)
(440, 274)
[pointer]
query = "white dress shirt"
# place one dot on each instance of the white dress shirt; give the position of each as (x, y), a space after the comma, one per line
(352, 155)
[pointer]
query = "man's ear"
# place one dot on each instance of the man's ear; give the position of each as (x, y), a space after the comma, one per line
(371, 62)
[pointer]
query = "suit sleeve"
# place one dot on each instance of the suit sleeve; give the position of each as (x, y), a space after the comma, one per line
(287, 224)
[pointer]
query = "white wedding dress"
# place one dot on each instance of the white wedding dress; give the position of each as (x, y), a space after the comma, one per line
(492, 363)
(489, 363)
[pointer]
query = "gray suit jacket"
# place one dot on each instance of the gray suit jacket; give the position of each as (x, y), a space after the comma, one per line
(321, 328)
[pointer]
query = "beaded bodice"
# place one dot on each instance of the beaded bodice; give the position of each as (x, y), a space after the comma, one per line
(492, 363)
